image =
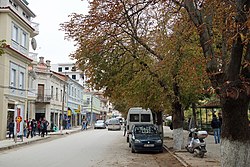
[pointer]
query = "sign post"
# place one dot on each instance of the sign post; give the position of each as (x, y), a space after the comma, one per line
(18, 129)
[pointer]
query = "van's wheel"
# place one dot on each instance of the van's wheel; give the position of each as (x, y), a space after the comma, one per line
(132, 150)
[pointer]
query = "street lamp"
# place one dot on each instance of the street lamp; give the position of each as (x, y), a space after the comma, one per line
(91, 110)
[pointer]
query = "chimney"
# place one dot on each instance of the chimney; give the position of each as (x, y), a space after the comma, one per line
(41, 60)
(48, 64)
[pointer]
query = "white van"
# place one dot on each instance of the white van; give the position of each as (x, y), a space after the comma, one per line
(137, 115)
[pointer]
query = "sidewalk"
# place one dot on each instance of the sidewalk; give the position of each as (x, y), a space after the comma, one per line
(9, 143)
(211, 158)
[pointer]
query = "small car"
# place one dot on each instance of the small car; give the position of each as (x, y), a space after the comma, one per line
(100, 124)
(145, 137)
(114, 124)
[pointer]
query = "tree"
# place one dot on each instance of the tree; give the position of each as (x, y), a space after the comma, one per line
(223, 27)
(126, 47)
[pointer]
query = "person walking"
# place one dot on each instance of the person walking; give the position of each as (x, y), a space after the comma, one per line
(11, 129)
(83, 124)
(215, 124)
(44, 126)
(30, 127)
(34, 127)
(39, 127)
(25, 128)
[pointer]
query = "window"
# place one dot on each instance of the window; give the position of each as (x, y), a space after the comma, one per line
(73, 76)
(21, 80)
(24, 40)
(145, 117)
(59, 69)
(13, 78)
(66, 68)
(61, 94)
(88, 100)
(134, 118)
(15, 33)
(52, 92)
(56, 93)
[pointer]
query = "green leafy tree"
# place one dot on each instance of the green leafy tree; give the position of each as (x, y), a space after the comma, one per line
(126, 47)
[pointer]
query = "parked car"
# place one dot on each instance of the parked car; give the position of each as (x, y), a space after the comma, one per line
(145, 137)
(100, 124)
(114, 124)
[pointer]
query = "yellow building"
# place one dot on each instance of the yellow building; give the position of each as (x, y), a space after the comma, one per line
(18, 30)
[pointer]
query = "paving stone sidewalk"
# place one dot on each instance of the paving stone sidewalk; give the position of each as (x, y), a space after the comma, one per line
(211, 158)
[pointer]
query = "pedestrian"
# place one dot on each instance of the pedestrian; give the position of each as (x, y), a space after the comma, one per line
(83, 124)
(125, 128)
(30, 127)
(11, 129)
(25, 128)
(44, 126)
(39, 126)
(86, 124)
(34, 127)
(215, 124)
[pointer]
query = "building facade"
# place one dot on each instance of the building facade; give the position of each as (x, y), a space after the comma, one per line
(75, 102)
(17, 29)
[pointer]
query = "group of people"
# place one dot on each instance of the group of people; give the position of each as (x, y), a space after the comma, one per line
(30, 128)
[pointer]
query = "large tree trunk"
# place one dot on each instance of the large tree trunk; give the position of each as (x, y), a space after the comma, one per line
(178, 118)
(235, 133)
(233, 86)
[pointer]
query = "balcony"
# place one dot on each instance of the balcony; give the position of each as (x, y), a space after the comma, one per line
(43, 99)
(36, 29)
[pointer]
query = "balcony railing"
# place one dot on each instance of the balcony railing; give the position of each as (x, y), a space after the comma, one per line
(43, 99)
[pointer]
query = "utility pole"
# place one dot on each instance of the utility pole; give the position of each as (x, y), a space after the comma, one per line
(91, 109)
(62, 107)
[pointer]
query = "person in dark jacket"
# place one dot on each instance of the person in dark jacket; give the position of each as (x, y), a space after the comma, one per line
(11, 129)
(30, 127)
(215, 124)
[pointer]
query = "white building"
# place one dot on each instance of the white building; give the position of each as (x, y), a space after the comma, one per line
(48, 89)
(70, 70)
(17, 29)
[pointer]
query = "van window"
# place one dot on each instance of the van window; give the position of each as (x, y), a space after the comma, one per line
(134, 118)
(145, 117)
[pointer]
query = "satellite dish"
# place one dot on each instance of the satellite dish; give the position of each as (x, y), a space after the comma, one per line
(33, 43)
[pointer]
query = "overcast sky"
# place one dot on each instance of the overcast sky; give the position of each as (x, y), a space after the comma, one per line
(49, 14)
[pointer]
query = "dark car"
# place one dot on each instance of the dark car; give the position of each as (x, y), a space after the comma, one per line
(145, 137)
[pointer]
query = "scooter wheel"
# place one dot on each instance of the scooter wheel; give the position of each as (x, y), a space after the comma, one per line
(201, 154)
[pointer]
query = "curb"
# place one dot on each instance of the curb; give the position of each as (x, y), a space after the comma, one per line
(178, 158)
(22, 143)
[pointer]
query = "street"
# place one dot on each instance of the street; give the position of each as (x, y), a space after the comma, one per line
(91, 148)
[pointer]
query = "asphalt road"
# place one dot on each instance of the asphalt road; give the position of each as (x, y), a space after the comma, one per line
(91, 148)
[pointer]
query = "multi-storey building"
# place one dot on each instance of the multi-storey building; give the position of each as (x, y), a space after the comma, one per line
(17, 29)
(92, 106)
(75, 102)
(49, 89)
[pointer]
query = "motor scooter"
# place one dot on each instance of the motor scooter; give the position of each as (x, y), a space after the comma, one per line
(196, 143)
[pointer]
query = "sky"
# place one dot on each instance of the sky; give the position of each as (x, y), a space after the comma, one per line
(49, 14)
